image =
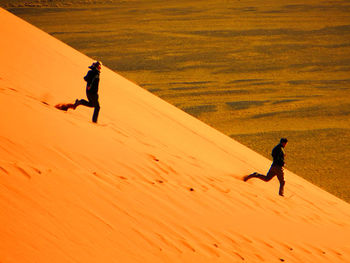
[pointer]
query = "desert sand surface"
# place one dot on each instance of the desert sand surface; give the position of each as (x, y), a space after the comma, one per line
(254, 70)
(148, 183)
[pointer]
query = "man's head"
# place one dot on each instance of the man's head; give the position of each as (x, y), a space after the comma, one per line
(283, 141)
(97, 65)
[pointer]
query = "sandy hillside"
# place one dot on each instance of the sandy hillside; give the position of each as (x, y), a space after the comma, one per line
(254, 70)
(149, 183)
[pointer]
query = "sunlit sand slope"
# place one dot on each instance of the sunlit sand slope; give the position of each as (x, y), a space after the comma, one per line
(149, 183)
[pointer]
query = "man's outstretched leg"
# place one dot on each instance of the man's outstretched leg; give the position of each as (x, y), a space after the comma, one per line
(247, 177)
(83, 102)
(92, 103)
(265, 178)
(274, 170)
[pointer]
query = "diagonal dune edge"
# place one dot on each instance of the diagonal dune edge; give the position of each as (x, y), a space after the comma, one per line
(149, 183)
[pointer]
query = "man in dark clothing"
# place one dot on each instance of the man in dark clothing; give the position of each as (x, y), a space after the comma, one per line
(278, 155)
(92, 79)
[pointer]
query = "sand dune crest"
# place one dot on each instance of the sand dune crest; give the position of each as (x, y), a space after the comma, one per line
(149, 183)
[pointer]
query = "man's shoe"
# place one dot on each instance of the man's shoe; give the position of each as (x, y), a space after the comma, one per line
(75, 104)
(247, 177)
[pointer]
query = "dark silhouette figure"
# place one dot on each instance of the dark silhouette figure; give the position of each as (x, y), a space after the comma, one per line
(276, 168)
(92, 79)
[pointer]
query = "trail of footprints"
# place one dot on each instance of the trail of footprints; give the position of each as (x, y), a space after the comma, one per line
(236, 245)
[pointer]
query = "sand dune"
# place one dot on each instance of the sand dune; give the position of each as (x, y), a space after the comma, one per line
(149, 183)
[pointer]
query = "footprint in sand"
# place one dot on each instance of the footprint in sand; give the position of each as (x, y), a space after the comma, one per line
(153, 157)
(211, 250)
(187, 245)
(37, 170)
(4, 170)
(239, 255)
(23, 171)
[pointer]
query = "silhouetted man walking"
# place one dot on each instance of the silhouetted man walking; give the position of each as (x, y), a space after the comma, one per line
(278, 155)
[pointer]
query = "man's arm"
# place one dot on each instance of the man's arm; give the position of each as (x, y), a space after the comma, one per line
(88, 78)
(278, 155)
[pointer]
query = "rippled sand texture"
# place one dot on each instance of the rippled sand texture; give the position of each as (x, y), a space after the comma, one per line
(147, 184)
(255, 70)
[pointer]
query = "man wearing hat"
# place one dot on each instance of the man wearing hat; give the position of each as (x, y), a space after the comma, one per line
(92, 79)
(278, 155)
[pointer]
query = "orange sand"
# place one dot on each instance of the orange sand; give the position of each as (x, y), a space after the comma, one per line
(149, 183)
